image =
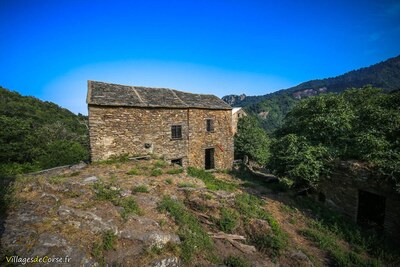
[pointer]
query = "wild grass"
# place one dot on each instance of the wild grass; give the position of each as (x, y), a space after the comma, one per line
(129, 206)
(160, 164)
(228, 221)
(371, 242)
(134, 171)
(156, 172)
(186, 184)
(168, 181)
(195, 240)
(175, 171)
(140, 189)
(210, 181)
(234, 261)
(273, 243)
(105, 191)
(108, 241)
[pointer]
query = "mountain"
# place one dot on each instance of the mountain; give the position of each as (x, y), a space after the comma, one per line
(385, 75)
(272, 108)
(35, 134)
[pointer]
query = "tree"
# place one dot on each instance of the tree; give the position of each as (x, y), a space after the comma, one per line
(251, 140)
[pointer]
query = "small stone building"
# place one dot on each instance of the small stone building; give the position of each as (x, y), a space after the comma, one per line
(184, 128)
(237, 113)
(364, 196)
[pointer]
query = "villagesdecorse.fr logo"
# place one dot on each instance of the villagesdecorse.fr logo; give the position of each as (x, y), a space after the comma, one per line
(37, 259)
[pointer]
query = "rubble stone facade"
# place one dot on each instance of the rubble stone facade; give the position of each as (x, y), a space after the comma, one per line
(137, 130)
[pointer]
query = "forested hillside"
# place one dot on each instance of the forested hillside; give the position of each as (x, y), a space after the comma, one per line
(36, 134)
(272, 108)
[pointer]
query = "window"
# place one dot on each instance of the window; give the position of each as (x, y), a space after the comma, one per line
(177, 161)
(176, 131)
(210, 125)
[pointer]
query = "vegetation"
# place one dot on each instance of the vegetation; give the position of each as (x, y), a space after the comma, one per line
(210, 181)
(156, 172)
(228, 220)
(195, 240)
(251, 140)
(140, 189)
(233, 261)
(361, 124)
(175, 171)
(36, 134)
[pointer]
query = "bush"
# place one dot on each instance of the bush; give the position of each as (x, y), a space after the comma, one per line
(156, 172)
(140, 189)
(62, 152)
(294, 158)
(133, 171)
(252, 140)
(228, 220)
(195, 240)
(210, 181)
(175, 171)
(233, 261)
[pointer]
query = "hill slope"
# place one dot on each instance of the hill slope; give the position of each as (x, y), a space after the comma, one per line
(122, 214)
(271, 108)
(36, 134)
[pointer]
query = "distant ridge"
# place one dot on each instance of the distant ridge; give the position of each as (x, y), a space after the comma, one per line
(385, 75)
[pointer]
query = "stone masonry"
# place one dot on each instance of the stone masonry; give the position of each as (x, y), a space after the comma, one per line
(133, 128)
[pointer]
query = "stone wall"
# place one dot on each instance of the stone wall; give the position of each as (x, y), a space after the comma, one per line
(341, 191)
(126, 130)
(235, 119)
(221, 139)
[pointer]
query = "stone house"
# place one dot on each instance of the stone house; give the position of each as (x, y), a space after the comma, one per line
(364, 196)
(184, 128)
(237, 113)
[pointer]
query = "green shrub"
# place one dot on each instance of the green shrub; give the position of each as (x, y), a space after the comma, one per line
(160, 164)
(140, 189)
(175, 171)
(269, 243)
(228, 220)
(168, 181)
(105, 191)
(129, 206)
(134, 171)
(109, 240)
(233, 261)
(210, 181)
(195, 240)
(156, 172)
(186, 184)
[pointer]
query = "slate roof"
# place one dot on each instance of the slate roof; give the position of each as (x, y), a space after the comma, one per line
(108, 94)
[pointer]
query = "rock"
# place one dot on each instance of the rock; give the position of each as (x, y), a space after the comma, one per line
(90, 221)
(91, 179)
(50, 196)
(81, 165)
(166, 262)
(300, 259)
(160, 239)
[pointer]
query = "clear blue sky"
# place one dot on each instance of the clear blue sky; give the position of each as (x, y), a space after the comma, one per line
(49, 49)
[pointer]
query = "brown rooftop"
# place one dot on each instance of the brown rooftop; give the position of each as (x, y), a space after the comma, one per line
(108, 94)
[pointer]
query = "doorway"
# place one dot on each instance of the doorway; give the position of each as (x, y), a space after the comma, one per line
(209, 159)
(371, 209)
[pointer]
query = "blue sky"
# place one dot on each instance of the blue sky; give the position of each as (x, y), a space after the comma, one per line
(49, 49)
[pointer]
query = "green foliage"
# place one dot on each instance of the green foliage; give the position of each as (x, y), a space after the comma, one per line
(38, 133)
(134, 171)
(210, 181)
(228, 220)
(295, 158)
(130, 206)
(195, 240)
(105, 191)
(140, 188)
(109, 240)
(251, 140)
(270, 244)
(361, 124)
(160, 164)
(168, 181)
(233, 261)
(185, 184)
(175, 171)
(156, 172)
